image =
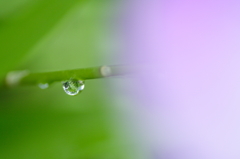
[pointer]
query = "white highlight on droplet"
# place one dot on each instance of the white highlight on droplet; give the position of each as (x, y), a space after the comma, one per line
(43, 85)
(105, 71)
(13, 78)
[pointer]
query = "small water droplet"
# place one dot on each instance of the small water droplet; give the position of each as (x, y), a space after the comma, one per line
(73, 87)
(105, 71)
(43, 85)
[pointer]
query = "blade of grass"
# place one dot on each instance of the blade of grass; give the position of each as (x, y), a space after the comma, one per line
(25, 78)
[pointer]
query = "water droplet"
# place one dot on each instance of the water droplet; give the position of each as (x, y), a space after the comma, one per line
(105, 71)
(14, 77)
(43, 85)
(73, 87)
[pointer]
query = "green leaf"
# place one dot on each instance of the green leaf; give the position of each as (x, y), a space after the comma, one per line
(20, 31)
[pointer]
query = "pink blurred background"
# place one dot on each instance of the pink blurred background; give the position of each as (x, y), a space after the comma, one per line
(189, 84)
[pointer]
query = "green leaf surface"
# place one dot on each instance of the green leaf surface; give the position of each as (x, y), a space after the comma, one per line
(49, 124)
(23, 29)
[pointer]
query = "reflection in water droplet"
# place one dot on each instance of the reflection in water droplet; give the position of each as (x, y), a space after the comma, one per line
(73, 87)
(43, 85)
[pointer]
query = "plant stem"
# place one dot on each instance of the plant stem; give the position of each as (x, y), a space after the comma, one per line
(25, 78)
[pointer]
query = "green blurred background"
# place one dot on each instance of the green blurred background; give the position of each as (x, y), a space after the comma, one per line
(49, 35)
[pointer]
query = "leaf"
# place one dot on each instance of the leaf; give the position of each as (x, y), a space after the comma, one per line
(24, 28)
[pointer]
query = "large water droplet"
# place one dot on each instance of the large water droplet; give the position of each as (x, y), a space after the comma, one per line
(73, 87)
(43, 85)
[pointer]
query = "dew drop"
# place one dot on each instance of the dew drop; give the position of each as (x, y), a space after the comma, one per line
(43, 85)
(72, 87)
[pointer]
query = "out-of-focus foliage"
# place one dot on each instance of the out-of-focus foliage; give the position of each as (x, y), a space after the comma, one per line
(23, 27)
(37, 124)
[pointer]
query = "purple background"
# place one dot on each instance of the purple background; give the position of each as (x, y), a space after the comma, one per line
(189, 53)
